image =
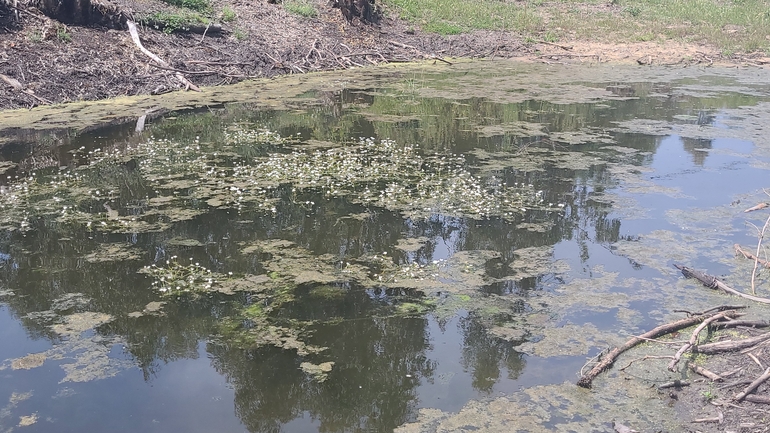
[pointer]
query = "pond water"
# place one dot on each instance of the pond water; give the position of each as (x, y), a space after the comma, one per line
(424, 248)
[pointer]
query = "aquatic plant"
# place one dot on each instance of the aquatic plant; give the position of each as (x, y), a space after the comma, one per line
(151, 185)
(175, 277)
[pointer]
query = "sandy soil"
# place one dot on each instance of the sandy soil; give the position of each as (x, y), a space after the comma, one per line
(263, 41)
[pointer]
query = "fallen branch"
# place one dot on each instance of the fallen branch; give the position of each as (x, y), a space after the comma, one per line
(753, 385)
(757, 399)
(20, 88)
(609, 359)
(755, 359)
(748, 255)
(694, 337)
(714, 283)
(563, 47)
(729, 345)
(706, 373)
(717, 419)
(757, 207)
(135, 37)
(673, 384)
(744, 323)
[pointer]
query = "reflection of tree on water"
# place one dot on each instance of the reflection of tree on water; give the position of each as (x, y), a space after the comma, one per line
(485, 355)
(372, 387)
(697, 147)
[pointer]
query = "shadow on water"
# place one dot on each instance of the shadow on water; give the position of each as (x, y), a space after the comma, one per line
(330, 312)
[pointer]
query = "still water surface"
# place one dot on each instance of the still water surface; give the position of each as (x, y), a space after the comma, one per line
(439, 246)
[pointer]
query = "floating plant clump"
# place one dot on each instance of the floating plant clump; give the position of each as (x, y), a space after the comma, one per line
(174, 277)
(151, 185)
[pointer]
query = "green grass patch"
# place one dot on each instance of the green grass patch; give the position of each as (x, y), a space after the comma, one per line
(302, 8)
(228, 14)
(169, 23)
(730, 25)
(195, 5)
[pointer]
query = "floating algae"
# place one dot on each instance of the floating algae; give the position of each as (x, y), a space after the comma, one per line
(85, 354)
(319, 372)
(113, 253)
(33, 360)
(553, 408)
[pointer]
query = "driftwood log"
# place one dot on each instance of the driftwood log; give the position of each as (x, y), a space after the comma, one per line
(713, 283)
(607, 361)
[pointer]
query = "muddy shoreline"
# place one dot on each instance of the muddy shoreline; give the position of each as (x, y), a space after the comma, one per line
(55, 63)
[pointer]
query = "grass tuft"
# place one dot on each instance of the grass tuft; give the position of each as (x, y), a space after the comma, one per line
(302, 8)
(196, 5)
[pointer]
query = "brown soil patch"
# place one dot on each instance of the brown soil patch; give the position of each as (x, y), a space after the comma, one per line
(263, 41)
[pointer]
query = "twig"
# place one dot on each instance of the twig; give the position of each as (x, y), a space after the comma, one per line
(754, 358)
(643, 359)
(761, 235)
(204, 32)
(753, 385)
(399, 44)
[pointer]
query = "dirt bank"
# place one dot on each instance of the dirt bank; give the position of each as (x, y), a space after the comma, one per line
(49, 62)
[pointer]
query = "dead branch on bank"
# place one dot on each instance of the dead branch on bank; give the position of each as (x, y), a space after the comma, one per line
(714, 283)
(694, 338)
(750, 256)
(706, 373)
(609, 359)
(135, 37)
(753, 385)
(16, 85)
(730, 345)
(760, 237)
